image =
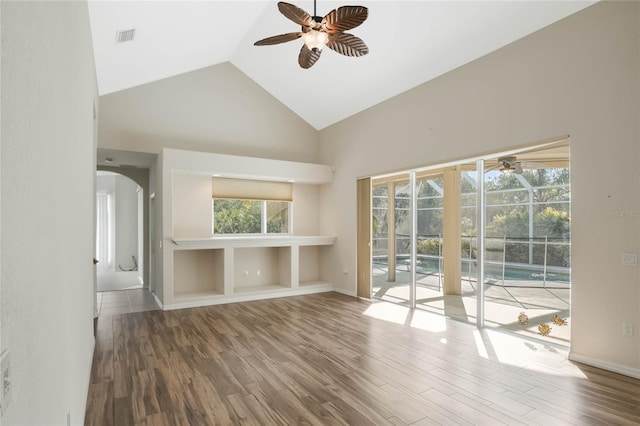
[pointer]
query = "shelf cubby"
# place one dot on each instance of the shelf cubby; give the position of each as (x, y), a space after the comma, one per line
(198, 273)
(309, 265)
(261, 268)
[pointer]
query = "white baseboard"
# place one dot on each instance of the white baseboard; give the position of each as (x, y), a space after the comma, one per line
(158, 302)
(86, 389)
(605, 365)
(248, 297)
(345, 292)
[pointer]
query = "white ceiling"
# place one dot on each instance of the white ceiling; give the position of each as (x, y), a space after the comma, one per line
(410, 42)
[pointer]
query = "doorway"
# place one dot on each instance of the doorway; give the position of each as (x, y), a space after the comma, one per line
(119, 232)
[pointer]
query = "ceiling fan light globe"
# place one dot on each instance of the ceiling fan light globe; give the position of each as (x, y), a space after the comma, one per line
(315, 40)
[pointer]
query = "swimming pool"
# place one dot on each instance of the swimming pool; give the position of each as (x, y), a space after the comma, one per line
(513, 272)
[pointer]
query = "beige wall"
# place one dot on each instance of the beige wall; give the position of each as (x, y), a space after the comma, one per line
(578, 77)
(191, 207)
(48, 189)
(215, 109)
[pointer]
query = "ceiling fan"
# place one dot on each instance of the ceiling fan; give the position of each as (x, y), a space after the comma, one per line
(509, 164)
(319, 32)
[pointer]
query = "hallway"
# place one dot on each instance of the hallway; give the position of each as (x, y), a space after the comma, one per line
(125, 301)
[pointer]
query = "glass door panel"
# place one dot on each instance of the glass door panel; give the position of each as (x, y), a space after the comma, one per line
(527, 246)
(391, 250)
(464, 305)
(401, 292)
(429, 243)
(380, 240)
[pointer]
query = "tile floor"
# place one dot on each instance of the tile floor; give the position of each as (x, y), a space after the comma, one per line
(125, 301)
(119, 280)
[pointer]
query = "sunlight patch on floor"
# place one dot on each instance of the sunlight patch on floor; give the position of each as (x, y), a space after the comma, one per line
(398, 314)
(529, 354)
(503, 306)
(480, 347)
(428, 321)
(506, 348)
(387, 312)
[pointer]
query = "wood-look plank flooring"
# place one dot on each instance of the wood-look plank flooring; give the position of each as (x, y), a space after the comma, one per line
(331, 359)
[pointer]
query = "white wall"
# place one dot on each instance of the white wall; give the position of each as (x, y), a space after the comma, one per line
(578, 77)
(48, 185)
(215, 109)
(126, 212)
(156, 229)
(1, 127)
(106, 183)
(306, 209)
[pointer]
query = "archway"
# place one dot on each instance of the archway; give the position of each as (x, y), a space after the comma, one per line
(120, 242)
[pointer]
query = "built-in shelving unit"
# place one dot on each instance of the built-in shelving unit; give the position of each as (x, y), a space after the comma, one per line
(214, 270)
(199, 269)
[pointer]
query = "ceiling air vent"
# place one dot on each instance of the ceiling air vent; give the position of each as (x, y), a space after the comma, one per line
(126, 35)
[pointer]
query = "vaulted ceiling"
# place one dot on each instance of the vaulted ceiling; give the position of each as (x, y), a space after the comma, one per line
(410, 42)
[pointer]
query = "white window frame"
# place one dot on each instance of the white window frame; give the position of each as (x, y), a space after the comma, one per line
(263, 219)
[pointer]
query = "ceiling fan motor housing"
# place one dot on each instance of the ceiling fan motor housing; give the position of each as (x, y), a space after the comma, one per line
(318, 27)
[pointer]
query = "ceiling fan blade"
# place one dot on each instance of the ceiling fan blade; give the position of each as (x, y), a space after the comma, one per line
(345, 18)
(282, 38)
(347, 44)
(295, 14)
(308, 57)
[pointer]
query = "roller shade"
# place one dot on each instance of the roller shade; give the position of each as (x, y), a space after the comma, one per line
(243, 189)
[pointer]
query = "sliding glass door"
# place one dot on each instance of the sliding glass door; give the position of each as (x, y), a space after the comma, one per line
(486, 242)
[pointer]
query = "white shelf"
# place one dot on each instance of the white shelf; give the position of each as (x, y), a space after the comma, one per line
(196, 295)
(254, 241)
(314, 284)
(260, 288)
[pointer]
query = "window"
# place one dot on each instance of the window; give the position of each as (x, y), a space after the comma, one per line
(251, 207)
(277, 217)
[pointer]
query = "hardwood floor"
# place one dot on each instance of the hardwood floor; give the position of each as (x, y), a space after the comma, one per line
(331, 359)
